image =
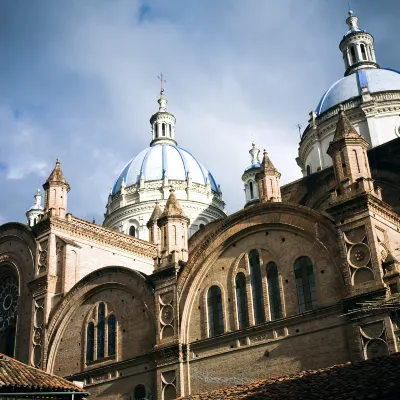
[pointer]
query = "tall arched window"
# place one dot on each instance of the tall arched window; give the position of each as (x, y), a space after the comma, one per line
(305, 284)
(163, 129)
(100, 330)
(90, 342)
(353, 54)
(274, 293)
(111, 335)
(214, 309)
(241, 299)
(363, 53)
(256, 287)
(308, 170)
(101, 335)
(155, 130)
(132, 231)
(251, 190)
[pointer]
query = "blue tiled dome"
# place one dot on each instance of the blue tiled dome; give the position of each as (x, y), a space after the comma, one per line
(164, 160)
(377, 80)
(253, 165)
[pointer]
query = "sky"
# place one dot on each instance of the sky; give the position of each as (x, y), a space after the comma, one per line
(78, 82)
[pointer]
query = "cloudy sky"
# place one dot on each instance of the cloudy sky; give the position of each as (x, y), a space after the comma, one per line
(78, 81)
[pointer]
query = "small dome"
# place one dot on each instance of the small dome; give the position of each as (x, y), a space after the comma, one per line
(349, 87)
(256, 164)
(161, 160)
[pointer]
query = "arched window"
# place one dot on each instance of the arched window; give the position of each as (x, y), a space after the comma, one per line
(101, 335)
(111, 335)
(90, 342)
(241, 299)
(353, 54)
(256, 287)
(163, 129)
(132, 231)
(251, 190)
(170, 130)
(9, 295)
(100, 330)
(274, 293)
(363, 53)
(308, 170)
(214, 308)
(139, 392)
(305, 284)
(156, 130)
(201, 226)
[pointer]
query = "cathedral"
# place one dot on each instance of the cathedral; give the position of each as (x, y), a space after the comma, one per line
(171, 296)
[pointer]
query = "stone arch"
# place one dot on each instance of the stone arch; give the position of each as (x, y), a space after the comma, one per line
(283, 216)
(121, 278)
(17, 257)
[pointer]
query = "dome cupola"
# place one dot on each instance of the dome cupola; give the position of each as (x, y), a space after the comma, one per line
(249, 177)
(147, 178)
(162, 122)
(357, 47)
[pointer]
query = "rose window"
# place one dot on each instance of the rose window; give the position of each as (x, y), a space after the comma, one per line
(8, 301)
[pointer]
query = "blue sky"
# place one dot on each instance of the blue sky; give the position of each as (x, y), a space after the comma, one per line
(78, 81)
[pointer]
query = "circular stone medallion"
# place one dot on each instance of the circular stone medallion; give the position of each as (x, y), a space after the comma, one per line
(359, 255)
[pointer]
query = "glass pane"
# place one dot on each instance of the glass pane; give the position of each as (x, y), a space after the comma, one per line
(274, 294)
(256, 287)
(214, 308)
(241, 298)
(90, 342)
(305, 283)
(111, 335)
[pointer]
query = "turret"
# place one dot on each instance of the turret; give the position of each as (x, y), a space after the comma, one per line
(268, 181)
(56, 191)
(35, 213)
(350, 161)
(173, 224)
(249, 177)
(357, 47)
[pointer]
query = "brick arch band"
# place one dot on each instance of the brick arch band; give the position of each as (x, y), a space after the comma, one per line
(313, 226)
(121, 278)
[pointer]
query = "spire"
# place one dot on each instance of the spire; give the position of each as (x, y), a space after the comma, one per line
(172, 207)
(254, 154)
(56, 193)
(268, 181)
(267, 166)
(162, 122)
(344, 128)
(155, 214)
(357, 47)
(38, 199)
(56, 177)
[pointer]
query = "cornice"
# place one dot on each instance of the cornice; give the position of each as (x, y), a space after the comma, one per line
(98, 234)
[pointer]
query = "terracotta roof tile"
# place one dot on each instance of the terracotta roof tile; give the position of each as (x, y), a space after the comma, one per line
(378, 378)
(18, 377)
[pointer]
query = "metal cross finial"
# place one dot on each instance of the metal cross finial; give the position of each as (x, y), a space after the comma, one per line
(162, 81)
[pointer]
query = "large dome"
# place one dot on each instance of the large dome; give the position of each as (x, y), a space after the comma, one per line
(376, 80)
(164, 160)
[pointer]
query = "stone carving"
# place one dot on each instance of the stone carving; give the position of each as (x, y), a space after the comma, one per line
(42, 260)
(374, 340)
(37, 335)
(358, 255)
(168, 382)
(166, 315)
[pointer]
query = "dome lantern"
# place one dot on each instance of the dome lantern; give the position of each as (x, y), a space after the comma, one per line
(162, 122)
(357, 47)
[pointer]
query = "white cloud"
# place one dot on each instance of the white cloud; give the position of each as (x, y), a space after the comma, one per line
(82, 78)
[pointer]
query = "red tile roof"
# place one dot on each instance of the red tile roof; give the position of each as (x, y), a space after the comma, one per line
(374, 379)
(18, 377)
